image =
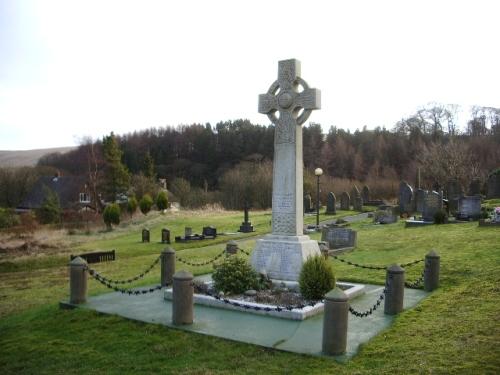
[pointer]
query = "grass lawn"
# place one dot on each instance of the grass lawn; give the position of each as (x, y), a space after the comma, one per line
(455, 330)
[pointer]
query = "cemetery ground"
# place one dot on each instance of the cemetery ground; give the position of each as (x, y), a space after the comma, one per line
(454, 330)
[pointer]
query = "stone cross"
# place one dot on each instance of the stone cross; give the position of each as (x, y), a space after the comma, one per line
(288, 107)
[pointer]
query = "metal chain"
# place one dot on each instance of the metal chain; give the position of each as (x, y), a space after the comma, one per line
(130, 292)
(277, 308)
(182, 260)
(244, 252)
(375, 267)
(418, 282)
(370, 311)
(128, 281)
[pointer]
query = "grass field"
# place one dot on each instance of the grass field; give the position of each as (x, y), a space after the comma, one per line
(455, 330)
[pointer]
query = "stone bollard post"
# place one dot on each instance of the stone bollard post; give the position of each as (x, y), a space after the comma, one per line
(395, 289)
(167, 266)
(431, 273)
(335, 322)
(231, 248)
(77, 281)
(182, 298)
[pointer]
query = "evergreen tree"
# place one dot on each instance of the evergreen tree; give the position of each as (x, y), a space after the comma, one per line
(116, 176)
(50, 210)
(149, 166)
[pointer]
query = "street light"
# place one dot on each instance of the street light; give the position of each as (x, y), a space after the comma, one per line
(318, 172)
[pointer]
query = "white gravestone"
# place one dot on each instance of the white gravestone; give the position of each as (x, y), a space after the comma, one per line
(282, 253)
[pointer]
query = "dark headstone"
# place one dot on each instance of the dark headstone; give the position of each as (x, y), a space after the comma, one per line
(338, 237)
(145, 235)
(494, 186)
(188, 232)
(345, 201)
(165, 236)
(419, 197)
(475, 187)
(330, 204)
(453, 192)
(433, 202)
(405, 198)
(209, 232)
(358, 203)
(365, 194)
(308, 207)
(469, 208)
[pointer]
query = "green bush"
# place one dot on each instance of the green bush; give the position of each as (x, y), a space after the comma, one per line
(132, 205)
(234, 276)
(8, 218)
(440, 217)
(162, 200)
(111, 215)
(316, 278)
(50, 210)
(145, 204)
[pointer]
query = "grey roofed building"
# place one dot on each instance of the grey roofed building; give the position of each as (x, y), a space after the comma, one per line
(73, 193)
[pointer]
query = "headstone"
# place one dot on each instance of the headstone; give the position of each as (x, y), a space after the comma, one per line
(419, 200)
(475, 187)
(417, 182)
(209, 232)
(282, 253)
(308, 207)
(338, 238)
(433, 202)
(386, 216)
(354, 193)
(454, 192)
(405, 198)
(165, 236)
(345, 201)
(145, 235)
(246, 226)
(358, 203)
(494, 186)
(365, 193)
(331, 204)
(188, 232)
(469, 207)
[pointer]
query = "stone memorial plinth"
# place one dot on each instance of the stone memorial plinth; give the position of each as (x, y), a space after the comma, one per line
(282, 253)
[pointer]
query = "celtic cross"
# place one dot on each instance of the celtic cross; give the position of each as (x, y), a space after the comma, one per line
(283, 96)
(288, 108)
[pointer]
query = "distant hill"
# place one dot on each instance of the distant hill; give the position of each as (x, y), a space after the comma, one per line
(23, 158)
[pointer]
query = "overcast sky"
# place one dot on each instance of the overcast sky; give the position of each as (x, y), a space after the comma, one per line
(70, 69)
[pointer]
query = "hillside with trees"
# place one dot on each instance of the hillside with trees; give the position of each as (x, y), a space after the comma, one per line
(232, 161)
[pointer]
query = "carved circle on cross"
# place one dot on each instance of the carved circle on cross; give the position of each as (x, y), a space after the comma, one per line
(286, 102)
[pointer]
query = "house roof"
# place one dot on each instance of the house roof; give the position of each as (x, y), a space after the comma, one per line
(67, 188)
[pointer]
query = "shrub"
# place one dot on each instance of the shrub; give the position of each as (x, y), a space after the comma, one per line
(8, 218)
(145, 204)
(111, 215)
(50, 210)
(234, 276)
(316, 278)
(440, 217)
(132, 205)
(162, 200)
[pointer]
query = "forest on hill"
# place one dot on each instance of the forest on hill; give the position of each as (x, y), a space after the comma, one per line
(234, 158)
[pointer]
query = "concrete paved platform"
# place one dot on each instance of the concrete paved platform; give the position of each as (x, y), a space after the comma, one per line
(302, 337)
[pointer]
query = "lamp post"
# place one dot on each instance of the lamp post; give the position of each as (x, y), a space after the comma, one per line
(318, 172)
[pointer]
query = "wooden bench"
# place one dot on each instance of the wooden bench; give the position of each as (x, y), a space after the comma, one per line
(97, 257)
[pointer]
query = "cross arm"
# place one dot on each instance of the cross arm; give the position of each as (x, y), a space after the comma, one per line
(267, 103)
(309, 99)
